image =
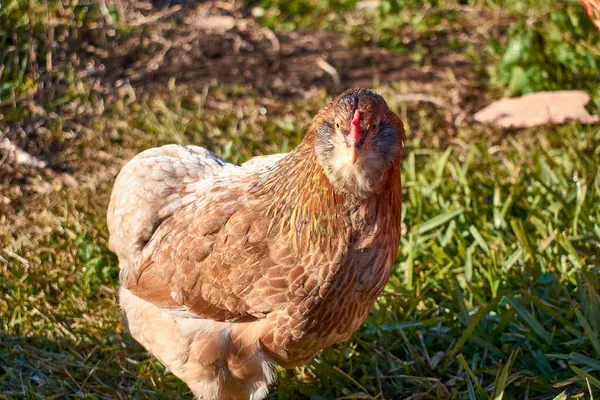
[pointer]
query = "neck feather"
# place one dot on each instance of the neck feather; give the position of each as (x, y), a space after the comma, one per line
(301, 200)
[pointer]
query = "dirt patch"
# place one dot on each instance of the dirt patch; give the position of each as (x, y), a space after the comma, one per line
(207, 43)
(198, 45)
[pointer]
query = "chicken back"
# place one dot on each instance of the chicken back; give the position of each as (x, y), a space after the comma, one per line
(228, 270)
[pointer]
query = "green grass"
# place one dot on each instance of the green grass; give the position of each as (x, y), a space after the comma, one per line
(495, 293)
(520, 46)
(499, 261)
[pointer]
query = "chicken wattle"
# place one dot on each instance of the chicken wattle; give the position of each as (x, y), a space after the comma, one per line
(228, 270)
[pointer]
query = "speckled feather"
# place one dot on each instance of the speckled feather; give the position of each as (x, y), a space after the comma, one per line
(227, 269)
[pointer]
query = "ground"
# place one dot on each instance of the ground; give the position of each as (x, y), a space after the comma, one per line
(495, 290)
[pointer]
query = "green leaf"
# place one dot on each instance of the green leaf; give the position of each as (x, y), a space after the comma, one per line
(437, 221)
(589, 332)
(472, 378)
(479, 239)
(498, 393)
(580, 359)
(473, 323)
(530, 320)
(519, 81)
(586, 376)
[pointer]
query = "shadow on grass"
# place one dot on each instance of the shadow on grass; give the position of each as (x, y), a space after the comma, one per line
(115, 367)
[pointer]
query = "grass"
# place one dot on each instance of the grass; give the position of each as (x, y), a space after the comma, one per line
(495, 293)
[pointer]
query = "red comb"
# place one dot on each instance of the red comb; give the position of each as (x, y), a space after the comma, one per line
(355, 132)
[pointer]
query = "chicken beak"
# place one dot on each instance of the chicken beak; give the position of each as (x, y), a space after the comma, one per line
(354, 136)
(353, 152)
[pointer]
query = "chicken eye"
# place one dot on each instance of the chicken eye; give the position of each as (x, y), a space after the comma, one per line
(373, 127)
(337, 125)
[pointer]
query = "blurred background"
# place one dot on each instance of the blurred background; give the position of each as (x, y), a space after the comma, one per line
(495, 291)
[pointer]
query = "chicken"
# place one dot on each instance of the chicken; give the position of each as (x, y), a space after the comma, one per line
(228, 270)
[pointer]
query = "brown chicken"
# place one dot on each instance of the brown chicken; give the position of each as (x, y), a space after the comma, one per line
(228, 270)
